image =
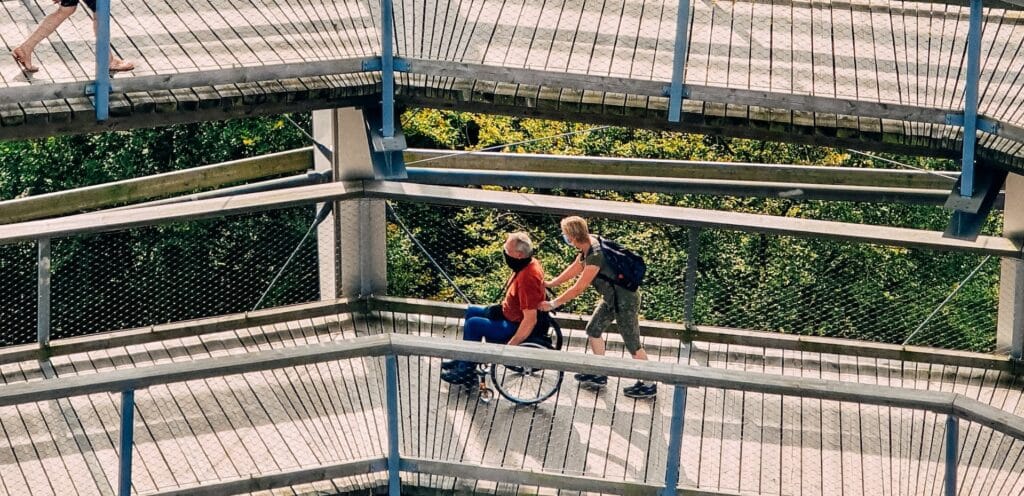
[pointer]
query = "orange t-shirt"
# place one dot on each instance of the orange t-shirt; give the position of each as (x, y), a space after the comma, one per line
(526, 291)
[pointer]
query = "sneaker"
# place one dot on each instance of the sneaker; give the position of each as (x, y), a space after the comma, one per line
(641, 390)
(461, 374)
(591, 380)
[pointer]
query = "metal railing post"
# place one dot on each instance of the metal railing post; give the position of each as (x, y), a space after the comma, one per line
(387, 71)
(102, 87)
(124, 473)
(43, 302)
(675, 441)
(675, 92)
(394, 460)
(952, 440)
(692, 263)
(971, 99)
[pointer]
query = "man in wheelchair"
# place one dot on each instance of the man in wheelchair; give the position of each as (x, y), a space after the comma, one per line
(516, 319)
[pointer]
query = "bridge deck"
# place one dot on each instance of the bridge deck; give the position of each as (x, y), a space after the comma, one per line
(234, 427)
(896, 69)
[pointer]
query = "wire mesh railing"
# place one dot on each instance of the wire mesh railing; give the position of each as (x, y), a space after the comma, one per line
(18, 294)
(763, 282)
(165, 273)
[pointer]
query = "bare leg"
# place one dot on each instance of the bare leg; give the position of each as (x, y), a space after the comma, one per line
(46, 28)
(116, 64)
(597, 346)
(640, 354)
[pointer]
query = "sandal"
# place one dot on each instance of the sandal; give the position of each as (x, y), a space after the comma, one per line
(20, 59)
(122, 66)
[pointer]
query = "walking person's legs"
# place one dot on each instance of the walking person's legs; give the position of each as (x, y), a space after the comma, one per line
(599, 321)
(628, 318)
(117, 64)
(23, 53)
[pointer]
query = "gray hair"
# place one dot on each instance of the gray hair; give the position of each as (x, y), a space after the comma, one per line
(521, 242)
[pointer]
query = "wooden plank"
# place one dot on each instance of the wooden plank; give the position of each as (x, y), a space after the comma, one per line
(216, 207)
(570, 482)
(143, 188)
(845, 105)
(853, 436)
(646, 167)
(150, 459)
(201, 455)
(685, 216)
(48, 437)
(283, 479)
(12, 477)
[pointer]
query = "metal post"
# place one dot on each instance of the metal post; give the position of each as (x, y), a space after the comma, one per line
(102, 88)
(675, 105)
(124, 474)
(971, 100)
(43, 303)
(675, 441)
(952, 439)
(692, 262)
(387, 72)
(394, 460)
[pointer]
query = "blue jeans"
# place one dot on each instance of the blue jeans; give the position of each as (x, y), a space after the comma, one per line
(478, 327)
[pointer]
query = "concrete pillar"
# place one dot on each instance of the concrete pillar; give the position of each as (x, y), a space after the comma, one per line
(1010, 333)
(352, 241)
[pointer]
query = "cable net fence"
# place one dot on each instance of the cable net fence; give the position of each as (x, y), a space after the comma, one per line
(812, 287)
(18, 302)
(166, 273)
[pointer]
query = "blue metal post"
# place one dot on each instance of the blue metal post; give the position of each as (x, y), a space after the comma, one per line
(675, 94)
(971, 99)
(394, 460)
(387, 71)
(102, 88)
(675, 441)
(124, 474)
(952, 439)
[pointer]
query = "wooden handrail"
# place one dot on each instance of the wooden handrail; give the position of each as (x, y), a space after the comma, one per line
(406, 345)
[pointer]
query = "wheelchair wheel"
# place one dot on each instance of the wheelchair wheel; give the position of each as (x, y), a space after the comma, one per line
(556, 335)
(526, 385)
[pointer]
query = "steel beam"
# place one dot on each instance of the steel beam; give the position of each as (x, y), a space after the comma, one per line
(952, 440)
(675, 441)
(102, 85)
(394, 458)
(676, 93)
(124, 473)
(971, 99)
(387, 70)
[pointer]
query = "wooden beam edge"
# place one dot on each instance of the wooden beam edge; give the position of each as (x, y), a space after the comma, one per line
(176, 330)
(689, 217)
(742, 337)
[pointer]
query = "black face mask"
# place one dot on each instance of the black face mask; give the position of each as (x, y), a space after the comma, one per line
(516, 264)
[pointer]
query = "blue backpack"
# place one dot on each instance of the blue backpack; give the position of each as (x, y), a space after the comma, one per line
(629, 267)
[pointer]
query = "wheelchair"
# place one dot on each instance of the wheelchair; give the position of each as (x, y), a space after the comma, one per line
(524, 385)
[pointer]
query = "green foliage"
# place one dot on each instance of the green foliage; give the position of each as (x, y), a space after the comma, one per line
(33, 167)
(772, 283)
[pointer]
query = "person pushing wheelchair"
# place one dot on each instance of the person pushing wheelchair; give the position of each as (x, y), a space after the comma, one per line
(513, 321)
